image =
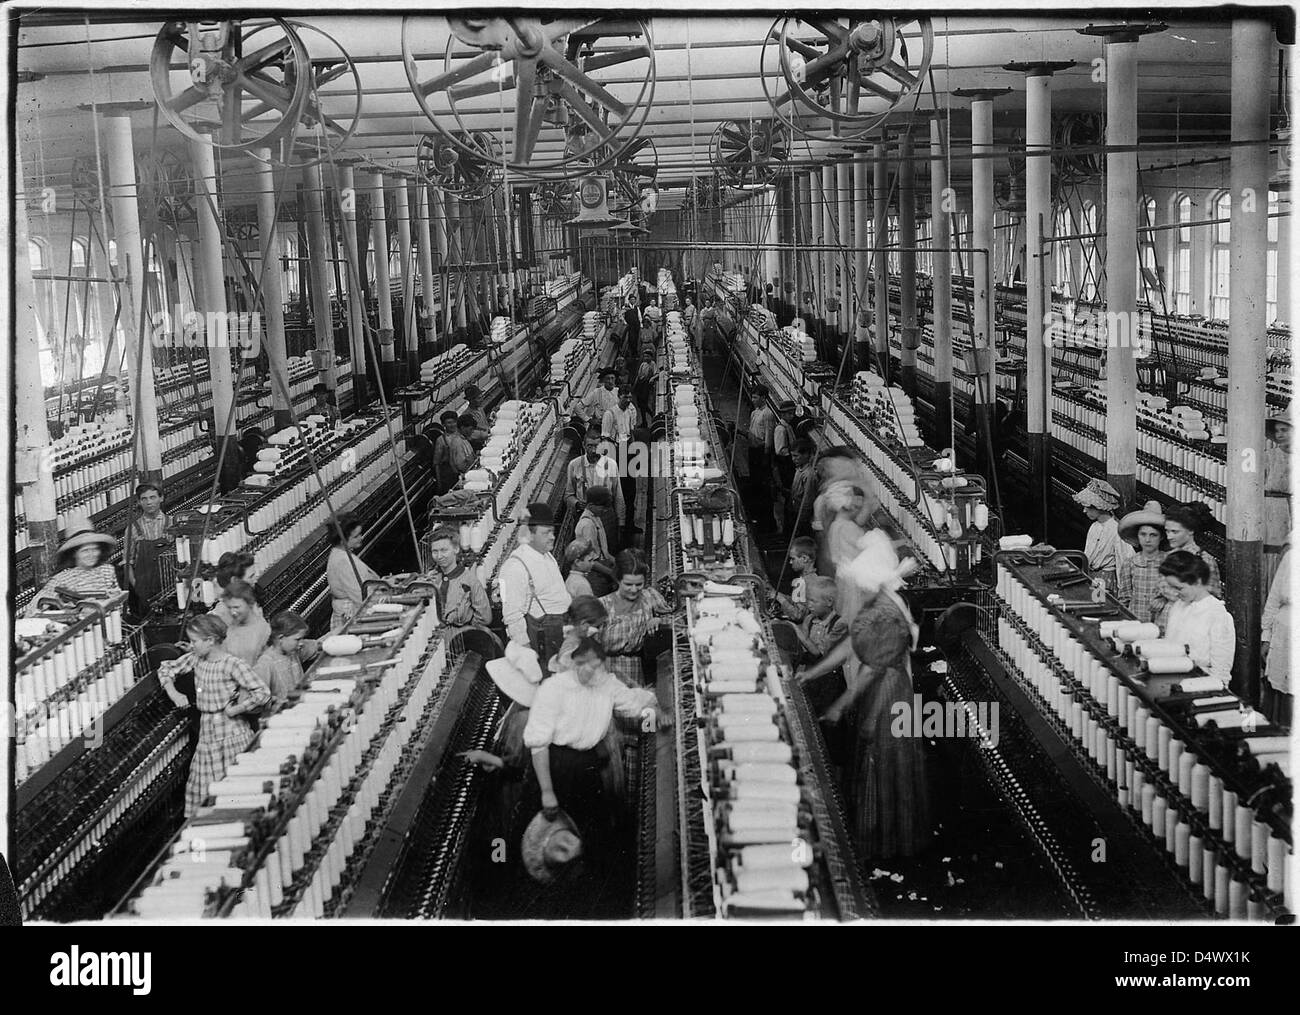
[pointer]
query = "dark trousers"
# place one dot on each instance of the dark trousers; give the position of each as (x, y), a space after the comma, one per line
(628, 483)
(546, 635)
(633, 344)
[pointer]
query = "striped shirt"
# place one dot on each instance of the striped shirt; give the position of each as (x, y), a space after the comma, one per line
(100, 580)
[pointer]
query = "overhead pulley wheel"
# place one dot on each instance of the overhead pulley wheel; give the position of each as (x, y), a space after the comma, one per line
(556, 200)
(1079, 140)
(86, 179)
(216, 84)
(635, 169)
(553, 73)
(748, 153)
(853, 72)
(330, 113)
(470, 171)
(166, 178)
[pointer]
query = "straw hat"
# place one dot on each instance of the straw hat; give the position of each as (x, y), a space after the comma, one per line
(518, 674)
(548, 845)
(1151, 514)
(80, 532)
(1098, 494)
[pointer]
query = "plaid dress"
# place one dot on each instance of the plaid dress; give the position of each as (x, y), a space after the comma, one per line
(1139, 580)
(625, 632)
(217, 681)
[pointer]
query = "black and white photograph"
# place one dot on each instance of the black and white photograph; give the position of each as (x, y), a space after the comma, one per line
(512, 465)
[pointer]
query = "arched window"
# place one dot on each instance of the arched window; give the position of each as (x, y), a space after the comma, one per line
(1183, 255)
(80, 253)
(289, 263)
(1220, 256)
(894, 265)
(1090, 284)
(1270, 286)
(925, 257)
(1063, 225)
(112, 253)
(37, 253)
(1148, 275)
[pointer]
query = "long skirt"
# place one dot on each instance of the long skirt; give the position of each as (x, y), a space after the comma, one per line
(220, 739)
(579, 782)
(887, 780)
(342, 611)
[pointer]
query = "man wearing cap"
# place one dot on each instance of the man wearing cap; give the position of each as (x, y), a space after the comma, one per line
(643, 384)
(533, 596)
(83, 565)
(619, 424)
(474, 407)
(599, 400)
(592, 468)
(762, 436)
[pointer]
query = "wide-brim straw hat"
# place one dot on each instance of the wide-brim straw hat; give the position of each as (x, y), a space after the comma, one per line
(1271, 423)
(1098, 494)
(80, 532)
(518, 674)
(1151, 514)
(548, 845)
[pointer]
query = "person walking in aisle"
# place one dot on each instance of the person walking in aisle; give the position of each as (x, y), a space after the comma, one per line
(532, 590)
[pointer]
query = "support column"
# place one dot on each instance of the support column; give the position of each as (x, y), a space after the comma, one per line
(861, 315)
(1252, 58)
(1121, 256)
(1038, 278)
(440, 236)
(802, 207)
(832, 239)
(908, 324)
(410, 332)
(322, 315)
(981, 261)
(771, 236)
(346, 182)
(942, 201)
(880, 256)
(816, 273)
(143, 403)
(374, 183)
(33, 460)
(456, 247)
(213, 292)
(1283, 226)
(428, 280)
(843, 258)
(273, 298)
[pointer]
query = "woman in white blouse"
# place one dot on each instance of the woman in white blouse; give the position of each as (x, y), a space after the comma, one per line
(345, 571)
(1275, 641)
(1197, 619)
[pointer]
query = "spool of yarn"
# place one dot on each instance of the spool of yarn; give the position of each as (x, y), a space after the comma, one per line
(1159, 665)
(1164, 736)
(1158, 647)
(1135, 631)
(1019, 543)
(1195, 685)
(1195, 859)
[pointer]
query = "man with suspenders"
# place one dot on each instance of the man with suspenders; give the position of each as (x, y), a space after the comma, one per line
(533, 596)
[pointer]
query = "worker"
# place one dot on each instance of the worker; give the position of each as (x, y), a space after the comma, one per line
(690, 317)
(226, 688)
(597, 401)
(345, 571)
(1277, 493)
(803, 488)
(1198, 619)
(762, 426)
(533, 596)
(591, 468)
(83, 566)
(1182, 523)
(247, 631)
(643, 384)
(579, 558)
(280, 664)
(619, 424)
(888, 790)
(462, 600)
(459, 450)
(802, 566)
(567, 725)
(632, 328)
(1275, 646)
(636, 610)
(148, 532)
(1103, 547)
(445, 474)
(1138, 575)
(474, 407)
(239, 564)
(591, 527)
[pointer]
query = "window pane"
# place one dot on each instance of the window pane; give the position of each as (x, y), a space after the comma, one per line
(1184, 215)
(1272, 210)
(1223, 210)
(36, 254)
